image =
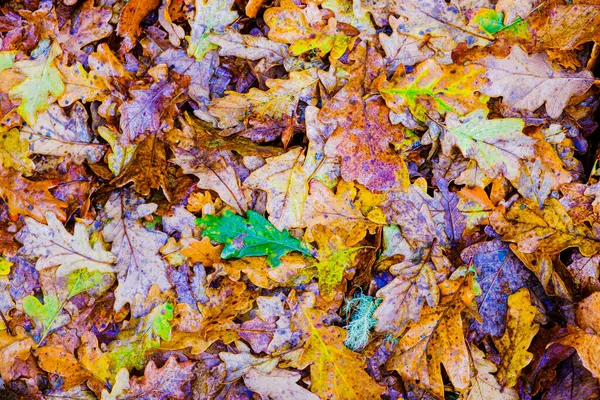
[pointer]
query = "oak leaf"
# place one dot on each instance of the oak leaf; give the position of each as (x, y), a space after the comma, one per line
(402, 49)
(14, 152)
(209, 16)
(81, 85)
(289, 24)
(60, 361)
(130, 19)
(53, 246)
(336, 372)
(254, 236)
(513, 345)
(214, 174)
(42, 85)
(432, 87)
(437, 339)
(279, 384)
(498, 145)
(57, 134)
(138, 263)
(232, 43)
(442, 23)
(484, 385)
(549, 230)
(146, 168)
(527, 82)
(282, 98)
(29, 198)
(569, 25)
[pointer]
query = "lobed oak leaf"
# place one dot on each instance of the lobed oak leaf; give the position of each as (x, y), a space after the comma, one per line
(209, 16)
(336, 372)
(435, 88)
(438, 339)
(587, 346)
(586, 271)
(279, 384)
(53, 246)
(160, 383)
(88, 25)
(43, 83)
(255, 268)
(402, 49)
(57, 134)
(498, 145)
(362, 139)
(203, 252)
(149, 109)
(484, 385)
(60, 361)
(527, 82)
(147, 168)
(500, 274)
(289, 23)
(281, 99)
(250, 237)
(549, 230)
(81, 85)
(442, 23)
(130, 19)
(214, 174)
(138, 263)
(29, 198)
(513, 345)
(513, 9)
(232, 43)
(569, 25)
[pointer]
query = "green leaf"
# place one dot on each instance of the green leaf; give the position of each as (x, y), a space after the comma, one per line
(331, 269)
(82, 280)
(43, 81)
(254, 236)
(5, 266)
(47, 316)
(498, 145)
(492, 22)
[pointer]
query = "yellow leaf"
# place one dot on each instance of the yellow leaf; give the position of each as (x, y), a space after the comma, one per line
(203, 251)
(513, 345)
(42, 86)
(335, 371)
(14, 152)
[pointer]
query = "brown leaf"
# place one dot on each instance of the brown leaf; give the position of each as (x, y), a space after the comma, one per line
(130, 19)
(147, 168)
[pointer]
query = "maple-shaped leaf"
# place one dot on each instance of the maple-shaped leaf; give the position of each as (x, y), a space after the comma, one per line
(81, 85)
(281, 99)
(14, 152)
(53, 245)
(254, 236)
(364, 133)
(214, 174)
(148, 110)
(288, 24)
(497, 145)
(161, 383)
(402, 49)
(146, 168)
(12, 349)
(484, 385)
(42, 83)
(88, 25)
(549, 230)
(527, 82)
(131, 16)
(29, 198)
(435, 87)
(138, 263)
(441, 23)
(279, 384)
(569, 25)
(208, 16)
(336, 372)
(57, 134)
(513, 345)
(438, 339)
